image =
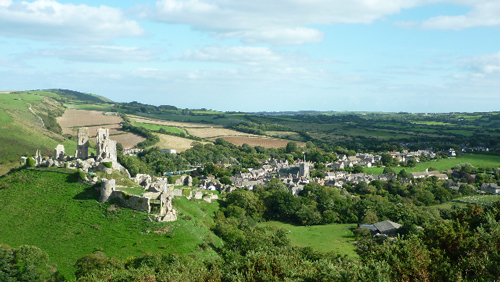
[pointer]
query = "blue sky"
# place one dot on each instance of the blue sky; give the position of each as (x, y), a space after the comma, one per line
(260, 55)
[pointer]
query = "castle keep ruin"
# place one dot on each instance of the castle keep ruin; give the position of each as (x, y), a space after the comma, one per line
(106, 148)
(82, 151)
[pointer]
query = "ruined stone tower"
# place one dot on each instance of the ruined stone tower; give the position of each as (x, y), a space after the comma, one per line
(59, 153)
(106, 148)
(82, 151)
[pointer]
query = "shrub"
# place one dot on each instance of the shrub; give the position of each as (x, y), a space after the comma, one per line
(107, 164)
(186, 192)
(31, 162)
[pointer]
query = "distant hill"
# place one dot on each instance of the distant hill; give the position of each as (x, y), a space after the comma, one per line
(65, 95)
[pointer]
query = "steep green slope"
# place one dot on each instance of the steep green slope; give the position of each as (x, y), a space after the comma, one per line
(54, 212)
(27, 123)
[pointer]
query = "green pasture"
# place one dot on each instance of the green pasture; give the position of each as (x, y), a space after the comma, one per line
(156, 127)
(324, 238)
(5, 118)
(432, 123)
(479, 199)
(54, 212)
(12, 102)
(91, 107)
(445, 164)
(210, 119)
(446, 206)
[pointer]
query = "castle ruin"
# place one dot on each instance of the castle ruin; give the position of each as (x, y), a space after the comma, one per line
(82, 151)
(106, 148)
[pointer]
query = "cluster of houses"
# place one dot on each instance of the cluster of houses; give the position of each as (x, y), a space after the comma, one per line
(368, 160)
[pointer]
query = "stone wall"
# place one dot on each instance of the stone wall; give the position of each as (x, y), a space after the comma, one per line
(132, 201)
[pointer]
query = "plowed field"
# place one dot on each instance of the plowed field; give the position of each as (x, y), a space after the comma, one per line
(79, 118)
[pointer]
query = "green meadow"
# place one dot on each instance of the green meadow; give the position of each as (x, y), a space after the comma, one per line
(54, 212)
(479, 199)
(156, 127)
(445, 164)
(324, 238)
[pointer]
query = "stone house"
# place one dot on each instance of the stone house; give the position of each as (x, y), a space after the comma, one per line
(492, 188)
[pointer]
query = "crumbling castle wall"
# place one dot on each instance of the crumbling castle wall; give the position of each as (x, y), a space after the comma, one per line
(82, 151)
(106, 148)
(135, 202)
(59, 153)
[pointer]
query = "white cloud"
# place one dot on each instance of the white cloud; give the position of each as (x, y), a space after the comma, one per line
(100, 54)
(11, 63)
(483, 13)
(485, 64)
(250, 56)
(276, 22)
(50, 20)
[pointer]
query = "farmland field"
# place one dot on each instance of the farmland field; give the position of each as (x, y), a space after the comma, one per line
(156, 127)
(79, 118)
(257, 141)
(94, 120)
(211, 132)
(323, 238)
(445, 164)
(282, 133)
(128, 140)
(173, 142)
(91, 107)
(167, 123)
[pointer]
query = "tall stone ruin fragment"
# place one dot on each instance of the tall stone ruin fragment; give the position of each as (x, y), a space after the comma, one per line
(82, 151)
(167, 212)
(59, 153)
(106, 148)
(38, 158)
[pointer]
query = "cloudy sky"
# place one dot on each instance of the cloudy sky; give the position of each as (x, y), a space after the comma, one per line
(259, 55)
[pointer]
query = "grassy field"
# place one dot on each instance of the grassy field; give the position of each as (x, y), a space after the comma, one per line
(479, 199)
(432, 123)
(52, 211)
(323, 238)
(445, 164)
(156, 127)
(91, 107)
(173, 142)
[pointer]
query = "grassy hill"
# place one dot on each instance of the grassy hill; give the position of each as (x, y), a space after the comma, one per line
(28, 124)
(51, 210)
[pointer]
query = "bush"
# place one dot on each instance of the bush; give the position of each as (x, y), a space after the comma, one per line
(31, 162)
(186, 192)
(107, 164)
